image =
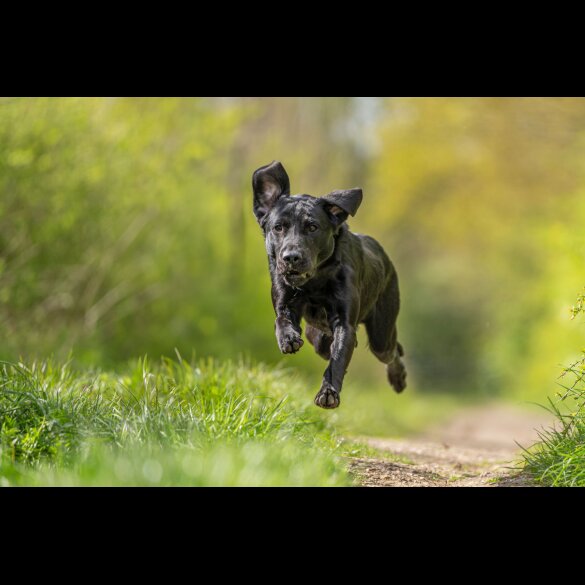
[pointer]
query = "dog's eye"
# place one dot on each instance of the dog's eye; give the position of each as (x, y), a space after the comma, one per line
(278, 227)
(313, 227)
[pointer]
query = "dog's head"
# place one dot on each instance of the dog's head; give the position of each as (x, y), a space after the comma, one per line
(299, 230)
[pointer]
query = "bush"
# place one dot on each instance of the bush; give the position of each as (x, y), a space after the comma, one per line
(559, 458)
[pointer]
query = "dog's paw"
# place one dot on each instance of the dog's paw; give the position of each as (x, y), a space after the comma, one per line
(327, 397)
(289, 341)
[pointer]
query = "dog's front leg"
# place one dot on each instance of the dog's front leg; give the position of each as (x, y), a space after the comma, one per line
(288, 330)
(288, 322)
(344, 337)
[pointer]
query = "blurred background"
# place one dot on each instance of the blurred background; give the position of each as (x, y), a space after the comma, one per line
(126, 228)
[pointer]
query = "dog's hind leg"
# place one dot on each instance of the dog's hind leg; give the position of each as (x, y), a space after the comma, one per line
(320, 341)
(382, 336)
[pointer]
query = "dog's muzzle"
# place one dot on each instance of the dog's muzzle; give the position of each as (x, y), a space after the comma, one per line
(295, 278)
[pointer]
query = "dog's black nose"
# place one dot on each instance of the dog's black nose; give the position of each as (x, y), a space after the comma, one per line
(291, 257)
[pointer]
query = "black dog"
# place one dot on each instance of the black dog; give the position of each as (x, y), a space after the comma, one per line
(333, 278)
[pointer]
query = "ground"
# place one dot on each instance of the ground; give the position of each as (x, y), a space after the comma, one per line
(477, 447)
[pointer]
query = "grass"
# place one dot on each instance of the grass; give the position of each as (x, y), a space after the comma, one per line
(558, 459)
(354, 448)
(200, 423)
(169, 423)
(252, 463)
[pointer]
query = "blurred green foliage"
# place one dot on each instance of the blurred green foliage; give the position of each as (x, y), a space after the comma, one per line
(253, 464)
(484, 215)
(126, 227)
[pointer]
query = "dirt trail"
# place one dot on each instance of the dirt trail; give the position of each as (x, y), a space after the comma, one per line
(474, 448)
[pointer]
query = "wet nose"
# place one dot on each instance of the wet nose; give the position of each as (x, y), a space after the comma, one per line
(291, 257)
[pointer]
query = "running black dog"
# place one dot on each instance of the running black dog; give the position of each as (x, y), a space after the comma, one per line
(333, 278)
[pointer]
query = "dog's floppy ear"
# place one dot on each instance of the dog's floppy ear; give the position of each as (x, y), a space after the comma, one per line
(269, 183)
(340, 204)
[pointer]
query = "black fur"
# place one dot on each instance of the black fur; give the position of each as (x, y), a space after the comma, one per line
(332, 278)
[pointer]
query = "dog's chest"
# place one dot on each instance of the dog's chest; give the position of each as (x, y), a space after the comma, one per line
(317, 315)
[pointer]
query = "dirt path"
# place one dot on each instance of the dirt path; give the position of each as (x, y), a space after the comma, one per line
(475, 448)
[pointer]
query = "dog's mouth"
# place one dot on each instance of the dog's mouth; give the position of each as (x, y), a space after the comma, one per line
(296, 277)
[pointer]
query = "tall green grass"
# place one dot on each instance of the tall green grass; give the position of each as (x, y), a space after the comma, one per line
(558, 459)
(169, 423)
